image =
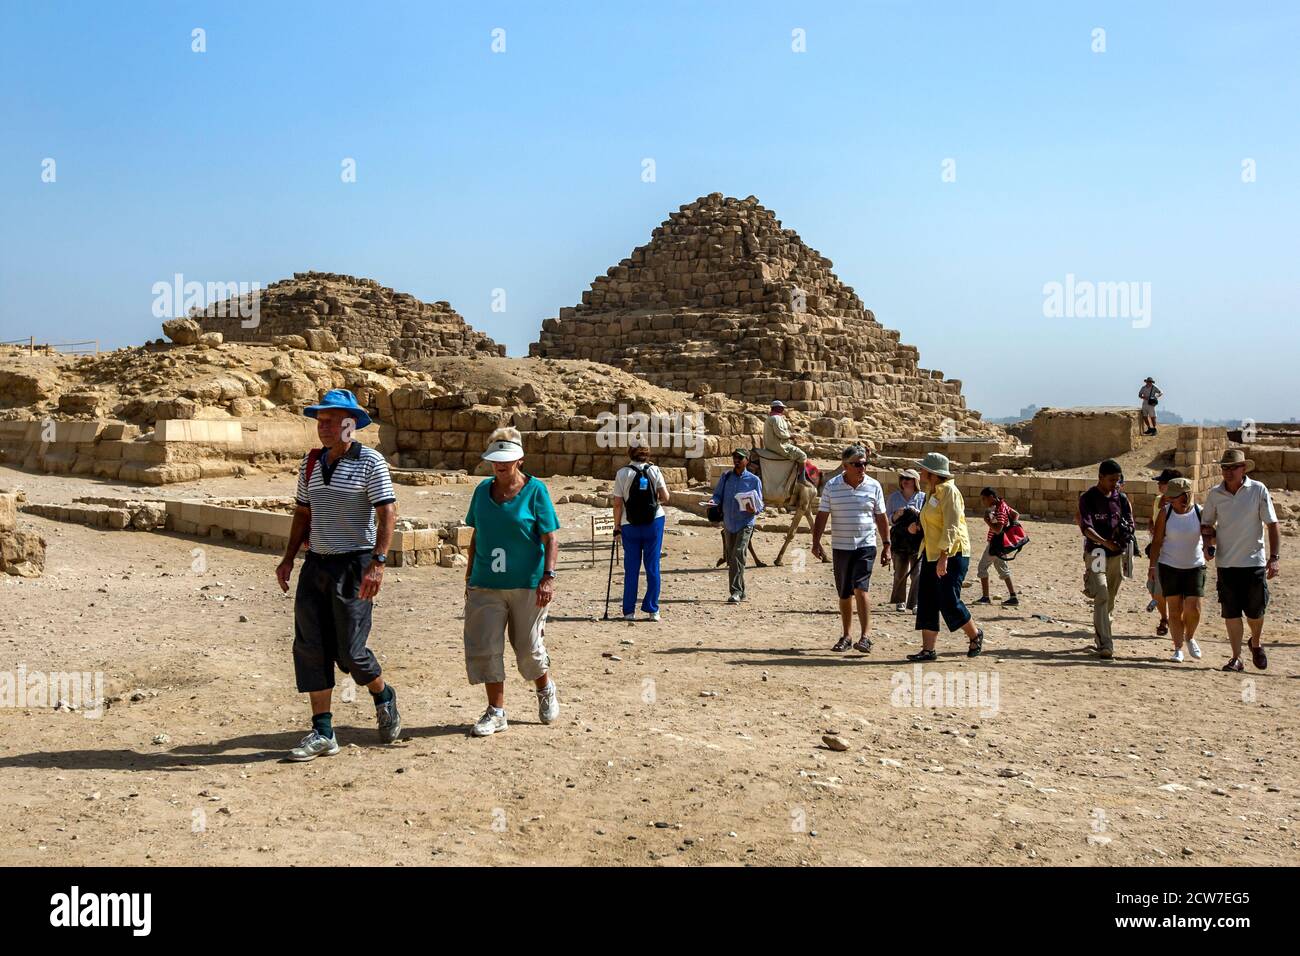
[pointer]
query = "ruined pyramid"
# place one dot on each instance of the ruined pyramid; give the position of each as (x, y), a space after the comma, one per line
(722, 296)
(363, 315)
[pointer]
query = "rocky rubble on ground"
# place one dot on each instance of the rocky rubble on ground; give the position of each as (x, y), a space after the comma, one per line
(22, 553)
(170, 381)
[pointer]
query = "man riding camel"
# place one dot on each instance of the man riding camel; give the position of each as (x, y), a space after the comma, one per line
(777, 443)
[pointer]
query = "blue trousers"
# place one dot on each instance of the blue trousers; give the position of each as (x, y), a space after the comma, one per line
(641, 545)
(941, 596)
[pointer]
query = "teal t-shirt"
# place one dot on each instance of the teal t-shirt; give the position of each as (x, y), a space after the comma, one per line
(508, 549)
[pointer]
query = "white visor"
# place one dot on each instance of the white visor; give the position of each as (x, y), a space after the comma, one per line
(504, 451)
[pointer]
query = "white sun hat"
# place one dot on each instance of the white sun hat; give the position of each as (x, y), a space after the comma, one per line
(504, 450)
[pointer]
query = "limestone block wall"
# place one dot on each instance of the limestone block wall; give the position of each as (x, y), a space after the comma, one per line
(257, 522)
(449, 431)
(1275, 449)
(177, 450)
(1038, 496)
(960, 452)
(1069, 437)
(1198, 453)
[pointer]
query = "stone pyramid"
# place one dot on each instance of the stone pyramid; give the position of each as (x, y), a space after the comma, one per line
(722, 296)
(363, 315)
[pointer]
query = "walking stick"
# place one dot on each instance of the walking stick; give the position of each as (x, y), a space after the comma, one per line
(609, 583)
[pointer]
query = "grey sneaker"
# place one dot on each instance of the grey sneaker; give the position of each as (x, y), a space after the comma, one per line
(548, 704)
(390, 721)
(313, 746)
(490, 724)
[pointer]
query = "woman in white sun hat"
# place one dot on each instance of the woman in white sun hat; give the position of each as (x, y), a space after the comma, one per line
(510, 580)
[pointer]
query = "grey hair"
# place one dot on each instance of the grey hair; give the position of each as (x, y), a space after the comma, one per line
(507, 433)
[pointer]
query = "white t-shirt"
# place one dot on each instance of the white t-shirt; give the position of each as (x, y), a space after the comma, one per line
(853, 512)
(623, 486)
(1239, 522)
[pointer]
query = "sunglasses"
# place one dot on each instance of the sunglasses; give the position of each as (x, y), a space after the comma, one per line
(857, 464)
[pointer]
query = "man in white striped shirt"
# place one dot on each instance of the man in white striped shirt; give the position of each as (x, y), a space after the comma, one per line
(855, 504)
(346, 512)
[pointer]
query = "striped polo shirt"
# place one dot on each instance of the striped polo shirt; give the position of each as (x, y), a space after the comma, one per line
(343, 498)
(853, 512)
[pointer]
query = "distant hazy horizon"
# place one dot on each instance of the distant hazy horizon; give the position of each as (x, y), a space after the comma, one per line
(1050, 202)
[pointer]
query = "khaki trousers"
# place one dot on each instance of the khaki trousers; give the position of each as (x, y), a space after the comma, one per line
(1102, 576)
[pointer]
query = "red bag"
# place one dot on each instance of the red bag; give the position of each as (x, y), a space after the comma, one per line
(1006, 544)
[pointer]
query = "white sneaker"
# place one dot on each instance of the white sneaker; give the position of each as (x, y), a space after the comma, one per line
(1178, 656)
(490, 724)
(900, 606)
(734, 599)
(653, 616)
(313, 746)
(1193, 648)
(548, 703)
(629, 618)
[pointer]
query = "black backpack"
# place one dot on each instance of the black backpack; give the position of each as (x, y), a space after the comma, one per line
(642, 499)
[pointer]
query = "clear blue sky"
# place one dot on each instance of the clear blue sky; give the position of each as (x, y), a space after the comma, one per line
(522, 170)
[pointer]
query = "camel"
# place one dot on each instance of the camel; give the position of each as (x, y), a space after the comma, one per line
(800, 499)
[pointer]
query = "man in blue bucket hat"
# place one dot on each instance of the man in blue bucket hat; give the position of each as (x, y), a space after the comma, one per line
(346, 511)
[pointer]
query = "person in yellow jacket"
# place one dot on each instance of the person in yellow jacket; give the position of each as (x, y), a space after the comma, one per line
(944, 561)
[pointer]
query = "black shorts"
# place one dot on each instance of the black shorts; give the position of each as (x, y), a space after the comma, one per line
(1181, 582)
(852, 569)
(331, 622)
(1243, 591)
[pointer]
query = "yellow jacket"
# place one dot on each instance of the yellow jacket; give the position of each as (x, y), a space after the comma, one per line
(943, 522)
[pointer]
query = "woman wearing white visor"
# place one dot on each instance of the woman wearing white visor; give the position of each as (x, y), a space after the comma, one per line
(510, 580)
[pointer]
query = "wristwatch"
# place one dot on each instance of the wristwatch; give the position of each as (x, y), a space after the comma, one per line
(381, 558)
(549, 574)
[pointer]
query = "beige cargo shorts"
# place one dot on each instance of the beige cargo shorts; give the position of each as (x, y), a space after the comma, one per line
(491, 614)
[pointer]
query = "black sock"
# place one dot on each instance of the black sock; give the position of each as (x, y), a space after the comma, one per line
(323, 724)
(384, 696)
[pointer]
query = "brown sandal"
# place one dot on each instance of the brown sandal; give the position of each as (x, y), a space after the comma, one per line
(1162, 628)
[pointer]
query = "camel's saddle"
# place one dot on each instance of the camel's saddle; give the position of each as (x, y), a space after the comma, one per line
(778, 474)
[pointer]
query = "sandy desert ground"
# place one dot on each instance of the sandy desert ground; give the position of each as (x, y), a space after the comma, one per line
(694, 741)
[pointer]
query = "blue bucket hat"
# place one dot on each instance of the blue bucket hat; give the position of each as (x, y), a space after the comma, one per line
(342, 399)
